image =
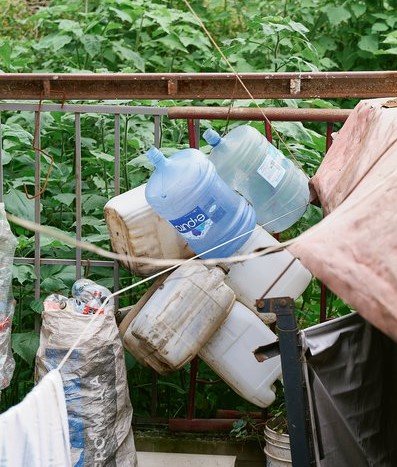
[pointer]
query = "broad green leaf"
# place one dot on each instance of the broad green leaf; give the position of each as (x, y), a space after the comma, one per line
(18, 204)
(392, 51)
(379, 27)
(358, 9)
(16, 132)
(123, 15)
(23, 273)
(391, 38)
(337, 14)
(54, 42)
(102, 156)
(53, 284)
(70, 26)
(141, 161)
(92, 202)
(298, 27)
(65, 198)
(369, 43)
(99, 182)
(92, 44)
(5, 52)
(25, 344)
(96, 238)
(130, 56)
(37, 306)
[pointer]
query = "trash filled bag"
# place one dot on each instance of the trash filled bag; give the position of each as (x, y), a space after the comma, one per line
(7, 249)
(94, 376)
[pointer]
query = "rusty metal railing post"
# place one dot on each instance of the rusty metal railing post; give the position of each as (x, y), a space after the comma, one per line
(323, 292)
(191, 409)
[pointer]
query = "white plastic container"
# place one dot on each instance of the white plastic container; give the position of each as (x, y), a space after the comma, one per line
(229, 353)
(135, 229)
(250, 279)
(184, 313)
(249, 163)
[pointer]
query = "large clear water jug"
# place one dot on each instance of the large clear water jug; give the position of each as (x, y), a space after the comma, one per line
(186, 190)
(251, 165)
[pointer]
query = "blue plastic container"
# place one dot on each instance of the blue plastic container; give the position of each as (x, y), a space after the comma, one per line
(186, 190)
(251, 165)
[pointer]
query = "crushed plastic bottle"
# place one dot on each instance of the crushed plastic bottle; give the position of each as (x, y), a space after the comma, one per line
(251, 165)
(89, 297)
(8, 244)
(186, 190)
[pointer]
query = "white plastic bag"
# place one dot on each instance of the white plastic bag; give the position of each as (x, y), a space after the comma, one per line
(94, 377)
(8, 244)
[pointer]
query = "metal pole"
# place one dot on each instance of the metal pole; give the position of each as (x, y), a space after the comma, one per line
(295, 397)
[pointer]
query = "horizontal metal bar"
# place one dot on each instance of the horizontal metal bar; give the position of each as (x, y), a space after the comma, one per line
(65, 262)
(360, 84)
(285, 114)
(84, 108)
(211, 113)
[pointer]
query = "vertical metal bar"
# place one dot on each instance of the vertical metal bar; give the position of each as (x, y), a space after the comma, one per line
(268, 131)
(37, 217)
(197, 133)
(323, 291)
(269, 136)
(1, 162)
(295, 397)
(191, 409)
(157, 131)
(154, 400)
(116, 272)
(330, 129)
(77, 122)
(192, 133)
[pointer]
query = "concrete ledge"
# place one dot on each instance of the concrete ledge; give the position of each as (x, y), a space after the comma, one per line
(164, 459)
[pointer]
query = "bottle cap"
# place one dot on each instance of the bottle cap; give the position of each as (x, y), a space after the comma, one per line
(212, 137)
(155, 156)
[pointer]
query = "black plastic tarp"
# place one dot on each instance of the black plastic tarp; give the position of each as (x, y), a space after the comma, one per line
(352, 379)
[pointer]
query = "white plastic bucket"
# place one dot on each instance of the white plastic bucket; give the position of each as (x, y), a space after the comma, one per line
(229, 353)
(277, 449)
(250, 279)
(135, 229)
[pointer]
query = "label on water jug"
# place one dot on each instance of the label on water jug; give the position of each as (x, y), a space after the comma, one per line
(196, 223)
(271, 169)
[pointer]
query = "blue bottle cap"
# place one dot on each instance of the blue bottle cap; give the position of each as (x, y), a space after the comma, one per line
(212, 137)
(155, 156)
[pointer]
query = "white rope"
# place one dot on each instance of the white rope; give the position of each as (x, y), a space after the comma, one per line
(87, 246)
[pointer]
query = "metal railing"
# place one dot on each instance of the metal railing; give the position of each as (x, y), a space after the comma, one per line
(192, 115)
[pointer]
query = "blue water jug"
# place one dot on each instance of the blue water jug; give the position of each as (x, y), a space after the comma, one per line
(250, 164)
(186, 190)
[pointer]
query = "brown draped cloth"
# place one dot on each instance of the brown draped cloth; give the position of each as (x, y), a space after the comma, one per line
(353, 250)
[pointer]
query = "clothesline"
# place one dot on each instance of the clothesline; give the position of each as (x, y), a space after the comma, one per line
(87, 246)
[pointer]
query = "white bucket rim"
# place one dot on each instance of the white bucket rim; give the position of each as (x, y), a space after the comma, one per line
(274, 433)
(275, 457)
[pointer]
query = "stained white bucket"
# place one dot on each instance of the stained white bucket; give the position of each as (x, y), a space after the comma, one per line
(277, 449)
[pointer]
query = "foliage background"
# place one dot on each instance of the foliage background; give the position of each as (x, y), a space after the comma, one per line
(159, 36)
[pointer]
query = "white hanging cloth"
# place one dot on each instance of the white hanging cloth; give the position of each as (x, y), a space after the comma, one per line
(35, 432)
